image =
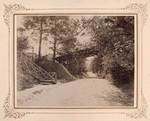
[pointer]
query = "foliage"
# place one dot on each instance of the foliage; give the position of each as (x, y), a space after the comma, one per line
(62, 30)
(67, 46)
(22, 41)
(24, 80)
(76, 66)
(36, 23)
(57, 30)
(96, 65)
(114, 38)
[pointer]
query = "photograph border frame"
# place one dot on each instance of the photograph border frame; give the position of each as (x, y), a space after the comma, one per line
(137, 8)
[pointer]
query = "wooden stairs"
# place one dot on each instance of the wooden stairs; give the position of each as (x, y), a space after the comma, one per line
(36, 71)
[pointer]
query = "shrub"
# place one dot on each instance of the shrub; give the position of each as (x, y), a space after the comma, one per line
(121, 75)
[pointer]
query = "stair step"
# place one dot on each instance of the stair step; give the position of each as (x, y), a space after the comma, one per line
(36, 71)
(48, 81)
(45, 83)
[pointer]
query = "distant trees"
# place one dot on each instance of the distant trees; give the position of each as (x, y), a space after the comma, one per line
(76, 65)
(96, 65)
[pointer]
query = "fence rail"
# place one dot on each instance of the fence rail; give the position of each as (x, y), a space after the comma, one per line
(36, 71)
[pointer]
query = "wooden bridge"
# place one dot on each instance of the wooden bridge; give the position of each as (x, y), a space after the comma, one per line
(36, 71)
(81, 53)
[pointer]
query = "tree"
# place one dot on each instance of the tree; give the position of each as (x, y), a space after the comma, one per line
(114, 38)
(22, 41)
(36, 23)
(61, 28)
(76, 64)
(63, 32)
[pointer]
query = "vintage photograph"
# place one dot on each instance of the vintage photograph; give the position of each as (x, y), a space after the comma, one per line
(74, 60)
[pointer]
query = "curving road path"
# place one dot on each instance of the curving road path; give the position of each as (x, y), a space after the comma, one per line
(82, 92)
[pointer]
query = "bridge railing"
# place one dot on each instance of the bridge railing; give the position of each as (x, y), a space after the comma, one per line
(36, 71)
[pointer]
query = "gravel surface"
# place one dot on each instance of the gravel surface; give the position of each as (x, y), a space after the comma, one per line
(82, 92)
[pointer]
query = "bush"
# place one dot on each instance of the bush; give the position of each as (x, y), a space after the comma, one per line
(121, 75)
(123, 78)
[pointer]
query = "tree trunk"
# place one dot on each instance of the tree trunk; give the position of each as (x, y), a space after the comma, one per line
(41, 32)
(54, 54)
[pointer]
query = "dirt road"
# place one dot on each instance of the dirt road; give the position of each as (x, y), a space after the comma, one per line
(82, 92)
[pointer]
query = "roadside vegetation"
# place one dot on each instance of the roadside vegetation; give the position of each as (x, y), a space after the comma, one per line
(114, 38)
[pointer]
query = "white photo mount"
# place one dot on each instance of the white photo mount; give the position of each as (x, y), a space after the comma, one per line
(137, 9)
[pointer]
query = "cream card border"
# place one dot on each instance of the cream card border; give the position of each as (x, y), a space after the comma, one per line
(139, 112)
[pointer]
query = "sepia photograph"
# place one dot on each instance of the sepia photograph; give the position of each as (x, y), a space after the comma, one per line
(75, 60)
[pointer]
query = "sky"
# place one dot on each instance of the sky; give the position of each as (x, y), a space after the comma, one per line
(45, 45)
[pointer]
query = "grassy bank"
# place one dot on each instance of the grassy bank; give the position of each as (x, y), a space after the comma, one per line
(24, 80)
(62, 73)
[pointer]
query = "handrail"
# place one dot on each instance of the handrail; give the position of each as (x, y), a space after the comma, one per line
(33, 69)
